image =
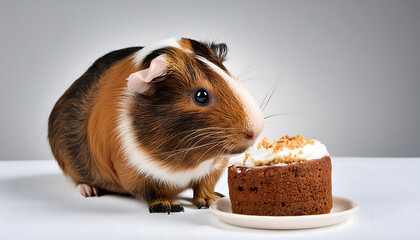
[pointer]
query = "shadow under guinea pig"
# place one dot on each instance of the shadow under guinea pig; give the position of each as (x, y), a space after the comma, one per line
(55, 192)
(53, 195)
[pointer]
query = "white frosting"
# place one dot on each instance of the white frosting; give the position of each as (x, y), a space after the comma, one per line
(308, 152)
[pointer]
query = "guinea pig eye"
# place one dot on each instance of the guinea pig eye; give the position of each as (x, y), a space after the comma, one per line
(201, 97)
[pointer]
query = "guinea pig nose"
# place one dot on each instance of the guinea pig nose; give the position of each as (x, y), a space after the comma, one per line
(250, 135)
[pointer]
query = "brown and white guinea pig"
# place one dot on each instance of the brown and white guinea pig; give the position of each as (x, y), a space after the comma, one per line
(152, 122)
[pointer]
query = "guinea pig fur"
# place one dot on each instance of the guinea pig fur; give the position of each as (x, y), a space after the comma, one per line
(152, 122)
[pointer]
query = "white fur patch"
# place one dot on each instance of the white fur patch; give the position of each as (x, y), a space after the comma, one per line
(142, 53)
(139, 160)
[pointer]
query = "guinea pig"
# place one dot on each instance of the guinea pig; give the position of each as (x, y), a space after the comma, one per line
(152, 122)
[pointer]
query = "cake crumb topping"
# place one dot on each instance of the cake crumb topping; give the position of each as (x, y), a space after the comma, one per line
(285, 143)
(246, 158)
(291, 143)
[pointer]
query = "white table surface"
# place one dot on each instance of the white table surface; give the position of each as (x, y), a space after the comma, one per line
(38, 202)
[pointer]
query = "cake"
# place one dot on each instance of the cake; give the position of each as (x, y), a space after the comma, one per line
(288, 177)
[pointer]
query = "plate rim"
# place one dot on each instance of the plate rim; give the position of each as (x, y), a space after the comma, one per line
(354, 207)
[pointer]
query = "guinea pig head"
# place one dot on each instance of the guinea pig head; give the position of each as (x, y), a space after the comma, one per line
(188, 108)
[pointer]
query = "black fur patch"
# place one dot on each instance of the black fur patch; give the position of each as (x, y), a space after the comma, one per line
(220, 50)
(215, 53)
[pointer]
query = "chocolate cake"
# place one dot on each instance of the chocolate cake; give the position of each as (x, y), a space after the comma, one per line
(289, 177)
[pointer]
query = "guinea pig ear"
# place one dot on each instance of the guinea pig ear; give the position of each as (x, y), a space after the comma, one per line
(220, 50)
(140, 81)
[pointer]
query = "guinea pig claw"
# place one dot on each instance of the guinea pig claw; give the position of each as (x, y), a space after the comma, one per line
(166, 208)
(87, 190)
(177, 208)
(159, 208)
(95, 191)
(199, 204)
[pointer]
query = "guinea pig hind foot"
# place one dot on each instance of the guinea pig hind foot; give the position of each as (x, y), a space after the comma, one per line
(165, 206)
(87, 190)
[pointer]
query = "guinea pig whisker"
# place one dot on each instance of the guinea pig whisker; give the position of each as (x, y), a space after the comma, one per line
(249, 79)
(192, 148)
(224, 149)
(211, 143)
(217, 141)
(198, 142)
(181, 140)
(247, 70)
(232, 146)
(215, 145)
(202, 134)
(209, 136)
(267, 98)
(205, 137)
(227, 150)
(188, 149)
(274, 115)
(203, 129)
(207, 133)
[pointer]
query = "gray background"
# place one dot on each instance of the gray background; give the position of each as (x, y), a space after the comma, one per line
(348, 71)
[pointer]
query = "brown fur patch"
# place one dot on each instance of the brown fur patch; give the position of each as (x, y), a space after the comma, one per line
(186, 44)
(103, 142)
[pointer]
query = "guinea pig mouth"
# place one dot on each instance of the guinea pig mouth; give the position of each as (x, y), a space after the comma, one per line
(238, 150)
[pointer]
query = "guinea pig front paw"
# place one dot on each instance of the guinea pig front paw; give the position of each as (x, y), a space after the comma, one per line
(165, 206)
(87, 190)
(206, 199)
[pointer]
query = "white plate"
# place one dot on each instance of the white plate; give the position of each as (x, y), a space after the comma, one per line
(341, 211)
